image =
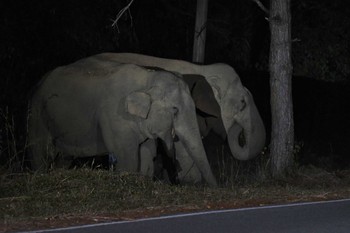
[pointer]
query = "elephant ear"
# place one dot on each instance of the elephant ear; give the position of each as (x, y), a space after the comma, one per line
(216, 86)
(204, 99)
(138, 104)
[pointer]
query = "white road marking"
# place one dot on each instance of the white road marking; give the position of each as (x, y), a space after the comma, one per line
(189, 215)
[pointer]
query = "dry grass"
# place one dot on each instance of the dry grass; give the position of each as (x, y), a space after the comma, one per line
(28, 199)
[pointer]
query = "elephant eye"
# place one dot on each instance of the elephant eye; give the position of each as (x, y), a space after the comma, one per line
(243, 104)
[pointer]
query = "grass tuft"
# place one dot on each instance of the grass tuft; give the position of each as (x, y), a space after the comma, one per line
(94, 192)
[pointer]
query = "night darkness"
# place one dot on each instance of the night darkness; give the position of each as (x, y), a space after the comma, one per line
(37, 36)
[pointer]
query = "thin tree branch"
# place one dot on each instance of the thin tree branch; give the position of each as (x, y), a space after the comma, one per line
(120, 14)
(198, 34)
(262, 7)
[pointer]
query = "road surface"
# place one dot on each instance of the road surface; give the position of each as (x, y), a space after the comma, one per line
(315, 217)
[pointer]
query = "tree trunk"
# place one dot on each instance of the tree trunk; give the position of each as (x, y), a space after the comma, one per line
(282, 135)
(200, 31)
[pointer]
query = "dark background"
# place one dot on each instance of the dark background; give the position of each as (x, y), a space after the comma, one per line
(37, 36)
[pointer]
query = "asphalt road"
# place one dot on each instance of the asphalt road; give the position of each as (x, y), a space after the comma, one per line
(316, 217)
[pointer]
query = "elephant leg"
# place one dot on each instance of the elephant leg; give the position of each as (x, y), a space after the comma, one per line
(165, 164)
(42, 149)
(121, 143)
(123, 146)
(152, 162)
(189, 173)
(127, 155)
(147, 155)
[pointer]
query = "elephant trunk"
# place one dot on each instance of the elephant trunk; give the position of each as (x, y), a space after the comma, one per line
(247, 138)
(189, 136)
(197, 153)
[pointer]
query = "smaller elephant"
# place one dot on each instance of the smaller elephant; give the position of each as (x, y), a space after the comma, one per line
(96, 106)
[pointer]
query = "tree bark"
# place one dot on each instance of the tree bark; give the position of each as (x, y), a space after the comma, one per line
(282, 134)
(200, 31)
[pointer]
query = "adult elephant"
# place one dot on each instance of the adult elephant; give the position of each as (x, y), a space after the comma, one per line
(238, 115)
(96, 106)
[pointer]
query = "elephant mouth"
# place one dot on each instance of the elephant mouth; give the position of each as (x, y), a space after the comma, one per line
(237, 140)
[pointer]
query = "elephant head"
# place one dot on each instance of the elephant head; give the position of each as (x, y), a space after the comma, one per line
(156, 113)
(241, 120)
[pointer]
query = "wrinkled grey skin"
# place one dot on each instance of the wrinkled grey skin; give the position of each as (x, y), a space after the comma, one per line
(97, 106)
(238, 112)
